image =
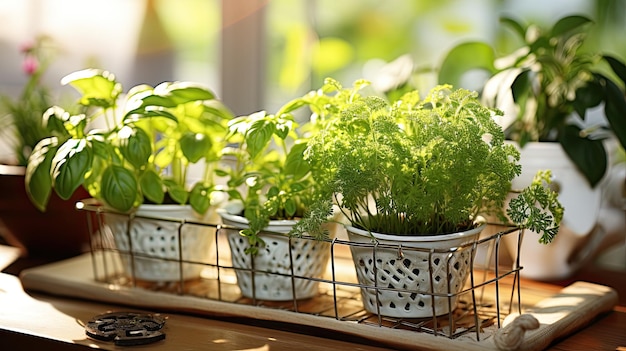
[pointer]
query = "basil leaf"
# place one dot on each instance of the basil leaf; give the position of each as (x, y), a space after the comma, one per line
(119, 188)
(69, 166)
(152, 186)
(295, 164)
(135, 145)
(290, 207)
(259, 136)
(195, 146)
(200, 198)
(38, 180)
(176, 191)
(98, 87)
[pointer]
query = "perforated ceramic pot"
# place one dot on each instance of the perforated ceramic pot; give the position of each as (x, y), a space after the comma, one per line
(275, 274)
(150, 248)
(401, 276)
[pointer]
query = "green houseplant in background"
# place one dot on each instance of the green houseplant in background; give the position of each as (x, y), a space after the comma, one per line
(138, 162)
(271, 187)
(21, 118)
(417, 173)
(553, 82)
(60, 232)
(565, 107)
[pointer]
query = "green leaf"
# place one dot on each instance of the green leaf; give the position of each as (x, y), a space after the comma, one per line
(54, 119)
(297, 187)
(177, 192)
(259, 136)
(282, 128)
(119, 188)
(141, 114)
(514, 25)
(99, 146)
(290, 206)
(615, 110)
(138, 92)
(75, 125)
(195, 146)
(617, 66)
(157, 100)
(273, 191)
(184, 92)
(152, 186)
(537, 208)
(98, 87)
(587, 96)
(135, 146)
(540, 44)
(295, 164)
(521, 86)
(200, 198)
(456, 62)
(217, 108)
(38, 180)
(588, 155)
(221, 173)
(567, 24)
(291, 106)
(69, 166)
(165, 156)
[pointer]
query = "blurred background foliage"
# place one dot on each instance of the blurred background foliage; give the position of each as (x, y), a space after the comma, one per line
(303, 41)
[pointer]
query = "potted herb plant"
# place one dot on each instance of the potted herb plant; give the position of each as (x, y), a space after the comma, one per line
(417, 175)
(60, 232)
(564, 108)
(137, 165)
(271, 187)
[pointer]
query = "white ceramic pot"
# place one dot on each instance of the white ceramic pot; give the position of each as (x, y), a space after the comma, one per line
(403, 286)
(268, 275)
(150, 247)
(589, 223)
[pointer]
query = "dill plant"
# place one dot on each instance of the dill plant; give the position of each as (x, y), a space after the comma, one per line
(416, 166)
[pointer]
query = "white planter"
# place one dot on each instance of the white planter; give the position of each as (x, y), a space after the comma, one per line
(589, 223)
(268, 275)
(152, 246)
(403, 265)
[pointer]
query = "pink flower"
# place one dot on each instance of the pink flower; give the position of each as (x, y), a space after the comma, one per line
(27, 47)
(30, 65)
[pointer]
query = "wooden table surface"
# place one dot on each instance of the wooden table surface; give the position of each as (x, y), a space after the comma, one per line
(608, 331)
(35, 321)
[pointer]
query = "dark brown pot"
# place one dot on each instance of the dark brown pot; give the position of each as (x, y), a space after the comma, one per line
(59, 232)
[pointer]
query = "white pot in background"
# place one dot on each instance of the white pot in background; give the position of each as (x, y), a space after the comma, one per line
(590, 222)
(406, 271)
(154, 243)
(268, 275)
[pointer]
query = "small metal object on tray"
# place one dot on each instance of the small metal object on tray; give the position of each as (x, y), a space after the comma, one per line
(126, 328)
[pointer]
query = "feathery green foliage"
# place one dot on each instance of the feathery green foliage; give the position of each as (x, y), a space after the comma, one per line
(413, 167)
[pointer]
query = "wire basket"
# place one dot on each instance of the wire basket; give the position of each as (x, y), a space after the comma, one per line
(491, 291)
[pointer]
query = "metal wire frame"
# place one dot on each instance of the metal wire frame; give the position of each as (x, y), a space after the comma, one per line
(491, 293)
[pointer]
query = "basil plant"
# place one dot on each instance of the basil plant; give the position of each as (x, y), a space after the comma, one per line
(151, 137)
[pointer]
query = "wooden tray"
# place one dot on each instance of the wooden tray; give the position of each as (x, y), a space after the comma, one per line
(558, 312)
